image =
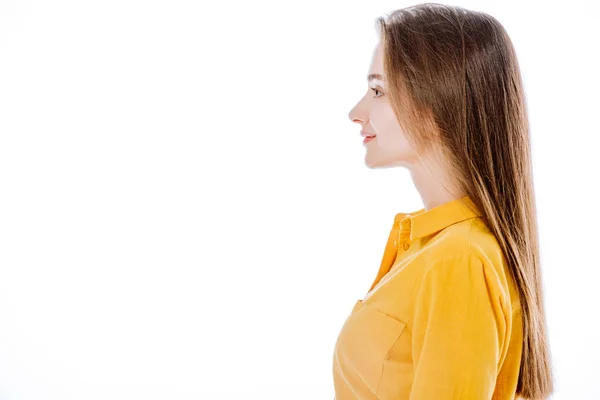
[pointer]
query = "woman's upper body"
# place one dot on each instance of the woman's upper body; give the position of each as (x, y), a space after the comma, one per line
(442, 319)
(458, 300)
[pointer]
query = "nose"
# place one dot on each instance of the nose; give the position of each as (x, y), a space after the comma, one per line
(353, 118)
(357, 113)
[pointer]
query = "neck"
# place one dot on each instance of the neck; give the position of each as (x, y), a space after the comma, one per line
(435, 188)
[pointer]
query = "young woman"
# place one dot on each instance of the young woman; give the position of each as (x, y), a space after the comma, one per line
(456, 310)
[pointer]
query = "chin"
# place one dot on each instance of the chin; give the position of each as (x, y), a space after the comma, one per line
(374, 164)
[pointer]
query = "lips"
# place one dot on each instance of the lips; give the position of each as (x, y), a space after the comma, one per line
(368, 139)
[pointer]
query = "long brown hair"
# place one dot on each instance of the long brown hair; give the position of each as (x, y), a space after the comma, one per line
(454, 82)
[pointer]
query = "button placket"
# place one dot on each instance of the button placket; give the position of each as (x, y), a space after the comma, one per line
(404, 235)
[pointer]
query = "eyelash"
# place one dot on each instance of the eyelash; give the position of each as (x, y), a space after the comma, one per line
(376, 90)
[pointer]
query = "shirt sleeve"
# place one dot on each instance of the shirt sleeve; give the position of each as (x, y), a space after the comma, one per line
(458, 331)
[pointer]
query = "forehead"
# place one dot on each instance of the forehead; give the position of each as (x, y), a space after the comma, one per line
(376, 69)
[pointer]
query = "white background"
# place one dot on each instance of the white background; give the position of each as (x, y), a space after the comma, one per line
(185, 212)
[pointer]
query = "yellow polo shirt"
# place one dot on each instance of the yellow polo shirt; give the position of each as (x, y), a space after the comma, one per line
(441, 321)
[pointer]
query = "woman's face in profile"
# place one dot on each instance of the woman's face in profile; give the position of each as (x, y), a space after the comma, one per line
(389, 147)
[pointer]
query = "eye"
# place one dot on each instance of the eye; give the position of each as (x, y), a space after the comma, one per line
(376, 90)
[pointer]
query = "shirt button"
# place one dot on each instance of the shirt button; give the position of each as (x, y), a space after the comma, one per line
(406, 245)
(406, 223)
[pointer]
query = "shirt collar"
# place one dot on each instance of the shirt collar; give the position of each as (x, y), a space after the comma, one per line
(424, 222)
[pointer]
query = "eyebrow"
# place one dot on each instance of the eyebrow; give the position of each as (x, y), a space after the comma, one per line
(375, 76)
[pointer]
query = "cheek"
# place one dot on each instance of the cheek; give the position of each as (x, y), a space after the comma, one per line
(392, 141)
(388, 131)
(383, 122)
(390, 136)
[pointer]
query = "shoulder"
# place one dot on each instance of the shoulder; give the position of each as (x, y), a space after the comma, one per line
(469, 237)
(469, 252)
